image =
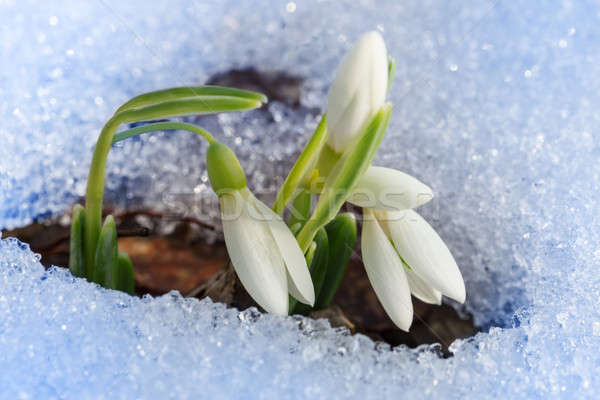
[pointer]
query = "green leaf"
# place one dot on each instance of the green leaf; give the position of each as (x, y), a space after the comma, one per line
(124, 274)
(303, 166)
(160, 96)
(187, 106)
(76, 257)
(345, 175)
(107, 254)
(162, 126)
(168, 108)
(318, 269)
(301, 208)
(342, 238)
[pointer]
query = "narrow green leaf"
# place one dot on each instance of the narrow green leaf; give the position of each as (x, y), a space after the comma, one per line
(169, 108)
(124, 274)
(187, 106)
(318, 265)
(107, 254)
(345, 175)
(341, 233)
(318, 269)
(160, 96)
(76, 257)
(162, 126)
(301, 208)
(303, 166)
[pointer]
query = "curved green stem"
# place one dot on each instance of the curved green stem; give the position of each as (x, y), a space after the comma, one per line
(169, 108)
(162, 126)
(95, 191)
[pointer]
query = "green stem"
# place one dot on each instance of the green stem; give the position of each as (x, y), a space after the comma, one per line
(170, 108)
(304, 166)
(301, 208)
(162, 126)
(344, 176)
(307, 233)
(95, 191)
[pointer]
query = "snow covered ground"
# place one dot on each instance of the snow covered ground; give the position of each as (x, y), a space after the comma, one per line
(496, 108)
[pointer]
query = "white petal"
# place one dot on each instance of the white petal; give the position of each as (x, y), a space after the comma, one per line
(300, 283)
(421, 290)
(389, 189)
(255, 256)
(358, 90)
(386, 272)
(425, 252)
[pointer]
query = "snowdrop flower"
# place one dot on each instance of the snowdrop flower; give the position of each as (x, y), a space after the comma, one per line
(358, 90)
(389, 189)
(403, 254)
(263, 251)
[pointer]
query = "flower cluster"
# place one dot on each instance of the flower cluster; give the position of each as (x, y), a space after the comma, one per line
(297, 265)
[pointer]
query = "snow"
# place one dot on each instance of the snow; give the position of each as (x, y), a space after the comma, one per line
(496, 109)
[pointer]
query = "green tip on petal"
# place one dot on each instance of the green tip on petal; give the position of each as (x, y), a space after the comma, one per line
(224, 169)
(391, 72)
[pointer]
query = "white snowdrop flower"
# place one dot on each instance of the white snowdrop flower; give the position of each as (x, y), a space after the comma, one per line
(403, 254)
(358, 90)
(389, 189)
(263, 251)
(386, 272)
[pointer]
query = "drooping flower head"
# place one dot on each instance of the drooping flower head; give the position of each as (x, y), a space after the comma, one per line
(403, 255)
(263, 251)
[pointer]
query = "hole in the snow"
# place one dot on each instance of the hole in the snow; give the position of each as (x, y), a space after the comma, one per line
(180, 258)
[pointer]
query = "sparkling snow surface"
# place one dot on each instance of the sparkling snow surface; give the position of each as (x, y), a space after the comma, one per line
(496, 108)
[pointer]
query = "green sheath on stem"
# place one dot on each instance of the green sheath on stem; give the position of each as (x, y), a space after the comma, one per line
(342, 238)
(345, 175)
(76, 259)
(318, 269)
(107, 253)
(327, 160)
